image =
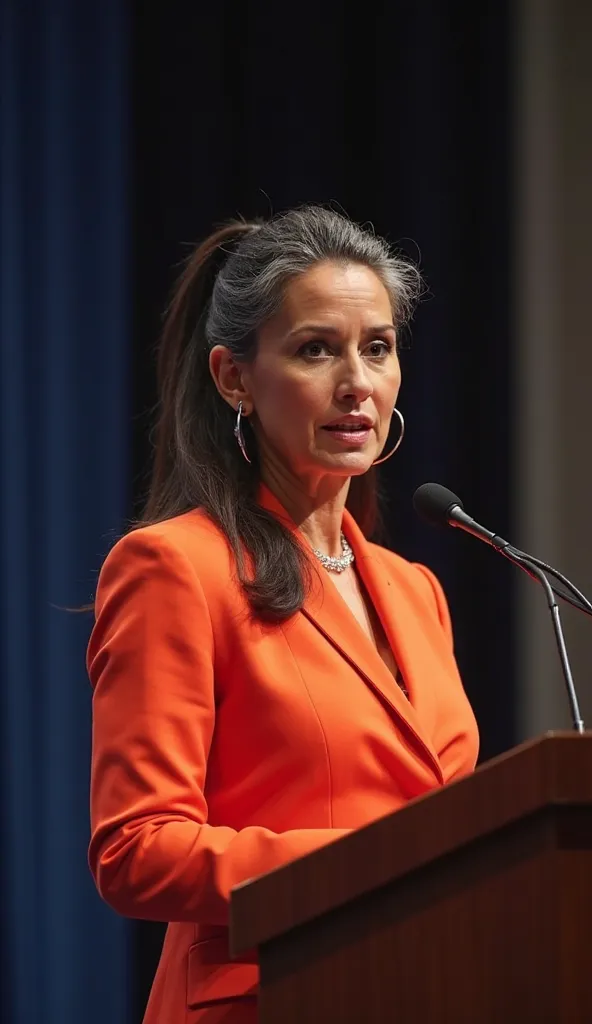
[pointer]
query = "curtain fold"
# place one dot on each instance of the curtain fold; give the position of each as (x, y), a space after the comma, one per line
(64, 467)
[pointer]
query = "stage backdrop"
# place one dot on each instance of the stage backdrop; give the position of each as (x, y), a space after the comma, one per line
(64, 443)
(401, 116)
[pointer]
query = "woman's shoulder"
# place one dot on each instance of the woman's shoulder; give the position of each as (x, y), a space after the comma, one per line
(187, 527)
(190, 538)
(397, 562)
(414, 575)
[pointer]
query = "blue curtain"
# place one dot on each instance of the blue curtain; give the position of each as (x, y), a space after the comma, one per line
(64, 474)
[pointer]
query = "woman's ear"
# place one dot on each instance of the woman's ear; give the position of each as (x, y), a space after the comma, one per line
(228, 378)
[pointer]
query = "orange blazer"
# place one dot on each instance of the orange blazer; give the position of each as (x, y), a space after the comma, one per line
(224, 747)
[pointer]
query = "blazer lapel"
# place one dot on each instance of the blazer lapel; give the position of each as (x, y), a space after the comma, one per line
(327, 610)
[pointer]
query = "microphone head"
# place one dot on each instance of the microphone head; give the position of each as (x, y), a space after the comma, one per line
(434, 503)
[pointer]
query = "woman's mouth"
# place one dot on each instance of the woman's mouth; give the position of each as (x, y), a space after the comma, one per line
(349, 434)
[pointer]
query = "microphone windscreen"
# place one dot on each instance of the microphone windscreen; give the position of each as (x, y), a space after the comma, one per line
(434, 502)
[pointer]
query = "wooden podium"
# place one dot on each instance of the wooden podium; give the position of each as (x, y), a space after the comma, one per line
(471, 905)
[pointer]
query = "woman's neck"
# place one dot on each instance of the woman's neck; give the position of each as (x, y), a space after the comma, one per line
(316, 511)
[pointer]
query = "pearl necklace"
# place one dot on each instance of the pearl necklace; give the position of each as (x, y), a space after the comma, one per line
(336, 564)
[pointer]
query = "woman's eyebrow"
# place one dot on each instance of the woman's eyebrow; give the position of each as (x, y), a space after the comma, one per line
(327, 329)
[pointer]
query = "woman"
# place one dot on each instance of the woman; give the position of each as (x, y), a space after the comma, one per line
(265, 678)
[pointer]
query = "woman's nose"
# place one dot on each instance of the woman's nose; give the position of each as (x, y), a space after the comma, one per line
(354, 380)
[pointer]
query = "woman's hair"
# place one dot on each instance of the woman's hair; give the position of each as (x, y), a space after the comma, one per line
(231, 285)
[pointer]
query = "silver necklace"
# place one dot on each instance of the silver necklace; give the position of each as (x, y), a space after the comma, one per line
(336, 564)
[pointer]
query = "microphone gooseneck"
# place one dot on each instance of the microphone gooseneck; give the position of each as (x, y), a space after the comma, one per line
(441, 507)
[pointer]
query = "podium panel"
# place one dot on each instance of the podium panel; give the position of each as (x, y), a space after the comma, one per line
(472, 905)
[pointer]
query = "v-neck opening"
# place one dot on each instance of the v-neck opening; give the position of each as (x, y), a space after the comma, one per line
(399, 680)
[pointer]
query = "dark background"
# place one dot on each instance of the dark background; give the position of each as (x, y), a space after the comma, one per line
(400, 116)
(127, 132)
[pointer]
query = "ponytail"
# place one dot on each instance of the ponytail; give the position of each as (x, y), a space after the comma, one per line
(184, 328)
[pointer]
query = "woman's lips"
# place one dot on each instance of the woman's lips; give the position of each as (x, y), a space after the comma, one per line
(354, 436)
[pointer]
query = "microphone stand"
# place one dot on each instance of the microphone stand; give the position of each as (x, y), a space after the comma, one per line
(538, 574)
(534, 567)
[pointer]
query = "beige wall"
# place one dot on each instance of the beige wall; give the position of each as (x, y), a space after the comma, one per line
(553, 290)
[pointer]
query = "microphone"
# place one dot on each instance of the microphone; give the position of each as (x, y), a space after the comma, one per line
(441, 507)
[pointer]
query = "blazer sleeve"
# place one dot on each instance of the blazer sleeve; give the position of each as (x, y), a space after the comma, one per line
(150, 660)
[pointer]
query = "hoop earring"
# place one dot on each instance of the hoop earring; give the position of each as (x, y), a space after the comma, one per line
(401, 436)
(238, 432)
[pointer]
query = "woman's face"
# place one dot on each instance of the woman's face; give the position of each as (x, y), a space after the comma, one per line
(328, 352)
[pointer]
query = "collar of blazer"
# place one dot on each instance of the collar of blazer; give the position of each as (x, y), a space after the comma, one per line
(393, 586)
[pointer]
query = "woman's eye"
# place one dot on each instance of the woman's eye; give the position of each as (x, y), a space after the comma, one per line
(313, 348)
(380, 348)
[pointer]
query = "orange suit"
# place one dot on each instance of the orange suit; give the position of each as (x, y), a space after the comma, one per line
(224, 747)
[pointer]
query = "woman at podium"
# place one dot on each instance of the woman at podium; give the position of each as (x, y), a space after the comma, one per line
(266, 677)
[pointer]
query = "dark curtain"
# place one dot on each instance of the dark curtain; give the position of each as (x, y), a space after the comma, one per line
(400, 113)
(65, 487)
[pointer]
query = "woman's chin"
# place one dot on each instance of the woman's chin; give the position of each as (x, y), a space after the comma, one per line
(348, 463)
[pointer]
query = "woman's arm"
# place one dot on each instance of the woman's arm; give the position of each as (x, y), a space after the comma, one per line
(150, 660)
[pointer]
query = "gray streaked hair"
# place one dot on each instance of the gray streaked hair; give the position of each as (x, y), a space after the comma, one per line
(249, 286)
